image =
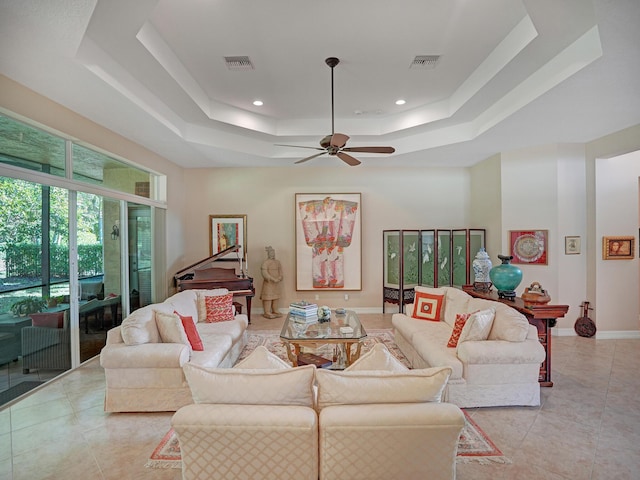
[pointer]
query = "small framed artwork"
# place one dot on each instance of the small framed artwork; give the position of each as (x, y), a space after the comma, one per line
(571, 245)
(618, 248)
(529, 246)
(328, 241)
(226, 231)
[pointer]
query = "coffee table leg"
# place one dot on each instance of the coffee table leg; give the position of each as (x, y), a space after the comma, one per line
(356, 355)
(293, 355)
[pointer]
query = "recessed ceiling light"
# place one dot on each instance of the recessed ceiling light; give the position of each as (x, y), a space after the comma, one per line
(400, 102)
(258, 103)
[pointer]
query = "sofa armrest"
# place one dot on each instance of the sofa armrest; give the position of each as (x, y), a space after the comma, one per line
(114, 335)
(501, 352)
(264, 441)
(148, 355)
(411, 440)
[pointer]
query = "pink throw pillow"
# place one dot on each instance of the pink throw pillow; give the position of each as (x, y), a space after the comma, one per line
(427, 306)
(461, 319)
(219, 308)
(192, 332)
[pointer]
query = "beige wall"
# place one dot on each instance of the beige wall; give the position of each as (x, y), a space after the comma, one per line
(486, 202)
(542, 187)
(18, 100)
(391, 199)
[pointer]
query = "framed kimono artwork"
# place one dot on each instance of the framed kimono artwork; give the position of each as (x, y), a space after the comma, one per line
(328, 241)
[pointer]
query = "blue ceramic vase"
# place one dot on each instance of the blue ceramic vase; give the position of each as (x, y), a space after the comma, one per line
(506, 277)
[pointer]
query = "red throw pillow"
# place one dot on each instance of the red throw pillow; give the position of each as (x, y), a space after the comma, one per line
(48, 320)
(219, 308)
(427, 306)
(192, 332)
(461, 319)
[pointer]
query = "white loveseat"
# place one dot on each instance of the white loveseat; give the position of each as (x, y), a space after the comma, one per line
(264, 420)
(145, 374)
(500, 370)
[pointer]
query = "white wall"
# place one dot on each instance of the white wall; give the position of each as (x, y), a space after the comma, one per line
(618, 292)
(391, 199)
(572, 221)
(603, 284)
(530, 202)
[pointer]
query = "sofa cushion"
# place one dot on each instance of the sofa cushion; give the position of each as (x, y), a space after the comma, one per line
(261, 358)
(184, 302)
(216, 348)
(140, 327)
(461, 319)
(202, 308)
(378, 358)
(430, 290)
(431, 345)
(170, 328)
(366, 387)
(477, 326)
(427, 306)
(292, 386)
(219, 308)
(509, 325)
(191, 331)
(235, 328)
(455, 301)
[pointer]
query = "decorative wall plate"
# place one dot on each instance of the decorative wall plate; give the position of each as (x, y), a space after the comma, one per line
(529, 246)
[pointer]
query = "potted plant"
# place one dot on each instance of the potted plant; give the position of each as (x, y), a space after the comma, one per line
(28, 305)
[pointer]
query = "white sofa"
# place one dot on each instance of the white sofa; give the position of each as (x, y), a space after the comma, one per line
(375, 421)
(501, 370)
(145, 374)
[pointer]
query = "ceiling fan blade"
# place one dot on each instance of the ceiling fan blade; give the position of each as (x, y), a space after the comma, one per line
(348, 159)
(339, 140)
(311, 157)
(370, 149)
(297, 146)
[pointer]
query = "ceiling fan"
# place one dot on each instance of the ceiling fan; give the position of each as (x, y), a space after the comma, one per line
(334, 144)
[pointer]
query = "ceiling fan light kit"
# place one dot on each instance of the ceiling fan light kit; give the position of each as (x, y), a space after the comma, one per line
(334, 144)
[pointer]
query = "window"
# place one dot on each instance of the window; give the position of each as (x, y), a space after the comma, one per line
(24, 146)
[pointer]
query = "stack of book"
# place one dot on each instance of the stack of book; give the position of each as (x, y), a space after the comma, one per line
(304, 311)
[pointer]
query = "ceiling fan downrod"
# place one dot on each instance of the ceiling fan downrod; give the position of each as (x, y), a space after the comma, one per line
(332, 62)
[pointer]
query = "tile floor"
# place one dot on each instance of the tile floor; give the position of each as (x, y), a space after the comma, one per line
(588, 426)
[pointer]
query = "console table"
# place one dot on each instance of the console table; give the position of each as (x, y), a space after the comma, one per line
(543, 317)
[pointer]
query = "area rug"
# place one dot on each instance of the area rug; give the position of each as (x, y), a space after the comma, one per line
(271, 340)
(473, 446)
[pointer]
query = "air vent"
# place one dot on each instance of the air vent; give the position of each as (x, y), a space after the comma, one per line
(425, 61)
(238, 63)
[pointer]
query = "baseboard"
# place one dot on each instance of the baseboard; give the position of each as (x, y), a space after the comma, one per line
(618, 334)
(600, 335)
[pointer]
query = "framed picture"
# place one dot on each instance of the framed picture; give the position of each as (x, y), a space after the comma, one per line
(571, 245)
(618, 248)
(528, 246)
(226, 231)
(328, 241)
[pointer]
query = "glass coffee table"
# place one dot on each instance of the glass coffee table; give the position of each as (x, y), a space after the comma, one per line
(296, 334)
